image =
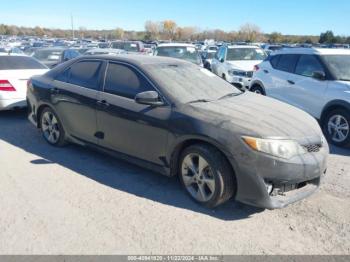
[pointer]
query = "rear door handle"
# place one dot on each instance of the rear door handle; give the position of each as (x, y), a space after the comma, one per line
(291, 82)
(266, 71)
(55, 91)
(102, 103)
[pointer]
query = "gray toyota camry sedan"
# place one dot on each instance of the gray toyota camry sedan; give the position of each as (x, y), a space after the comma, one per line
(179, 119)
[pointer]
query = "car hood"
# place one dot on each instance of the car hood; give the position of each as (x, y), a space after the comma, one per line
(244, 65)
(255, 115)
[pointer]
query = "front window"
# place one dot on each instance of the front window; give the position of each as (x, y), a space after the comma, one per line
(187, 82)
(339, 65)
(245, 54)
(187, 53)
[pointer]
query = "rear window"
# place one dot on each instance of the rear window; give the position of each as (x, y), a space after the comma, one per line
(19, 62)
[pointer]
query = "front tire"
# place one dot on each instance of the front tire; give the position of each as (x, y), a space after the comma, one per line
(257, 90)
(52, 128)
(336, 127)
(206, 175)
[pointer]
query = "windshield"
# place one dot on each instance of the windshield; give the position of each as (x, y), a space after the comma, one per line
(48, 55)
(181, 52)
(339, 65)
(19, 62)
(187, 82)
(246, 54)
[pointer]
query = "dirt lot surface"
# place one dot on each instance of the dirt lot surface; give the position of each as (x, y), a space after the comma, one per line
(75, 201)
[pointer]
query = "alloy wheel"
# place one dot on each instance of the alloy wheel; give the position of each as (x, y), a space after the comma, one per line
(50, 127)
(338, 128)
(198, 177)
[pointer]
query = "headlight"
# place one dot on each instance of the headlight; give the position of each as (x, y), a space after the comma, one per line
(237, 73)
(276, 147)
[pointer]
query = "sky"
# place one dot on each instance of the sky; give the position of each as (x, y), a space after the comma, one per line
(299, 17)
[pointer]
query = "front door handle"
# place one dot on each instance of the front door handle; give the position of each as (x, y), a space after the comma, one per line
(102, 103)
(291, 82)
(266, 71)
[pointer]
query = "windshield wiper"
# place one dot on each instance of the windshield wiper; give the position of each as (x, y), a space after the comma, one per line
(229, 95)
(199, 101)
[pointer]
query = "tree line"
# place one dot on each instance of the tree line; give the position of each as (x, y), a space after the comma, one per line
(169, 30)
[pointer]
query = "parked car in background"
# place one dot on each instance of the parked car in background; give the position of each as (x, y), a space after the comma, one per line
(135, 47)
(186, 52)
(103, 45)
(150, 48)
(10, 50)
(15, 71)
(176, 118)
(236, 64)
(315, 80)
(207, 58)
(52, 57)
(213, 48)
(272, 48)
(104, 51)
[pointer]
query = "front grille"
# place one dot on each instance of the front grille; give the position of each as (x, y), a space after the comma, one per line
(313, 148)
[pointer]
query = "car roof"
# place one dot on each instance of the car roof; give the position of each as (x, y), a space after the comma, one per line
(176, 44)
(313, 51)
(139, 60)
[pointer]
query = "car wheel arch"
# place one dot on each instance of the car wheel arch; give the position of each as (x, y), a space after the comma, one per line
(333, 105)
(258, 83)
(39, 112)
(185, 143)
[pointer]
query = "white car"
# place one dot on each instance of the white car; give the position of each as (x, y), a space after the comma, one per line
(315, 80)
(186, 52)
(15, 71)
(236, 64)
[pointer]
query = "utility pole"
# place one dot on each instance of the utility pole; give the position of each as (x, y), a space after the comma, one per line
(72, 23)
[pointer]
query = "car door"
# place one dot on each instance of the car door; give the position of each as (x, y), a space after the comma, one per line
(307, 92)
(283, 78)
(128, 127)
(74, 96)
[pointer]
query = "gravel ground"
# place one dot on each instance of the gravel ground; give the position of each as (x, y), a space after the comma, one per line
(75, 201)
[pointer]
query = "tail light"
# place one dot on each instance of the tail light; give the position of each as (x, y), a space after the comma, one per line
(5, 85)
(256, 68)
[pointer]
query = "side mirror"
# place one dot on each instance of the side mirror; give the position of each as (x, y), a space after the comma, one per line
(319, 75)
(222, 60)
(149, 98)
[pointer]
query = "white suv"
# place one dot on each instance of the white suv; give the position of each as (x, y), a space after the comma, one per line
(236, 63)
(315, 80)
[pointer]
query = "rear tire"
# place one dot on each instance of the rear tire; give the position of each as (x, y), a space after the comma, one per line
(257, 90)
(206, 175)
(52, 128)
(336, 127)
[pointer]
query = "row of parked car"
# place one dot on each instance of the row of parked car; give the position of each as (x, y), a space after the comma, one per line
(168, 113)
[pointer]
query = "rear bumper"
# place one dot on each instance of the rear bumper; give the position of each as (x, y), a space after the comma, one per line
(8, 104)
